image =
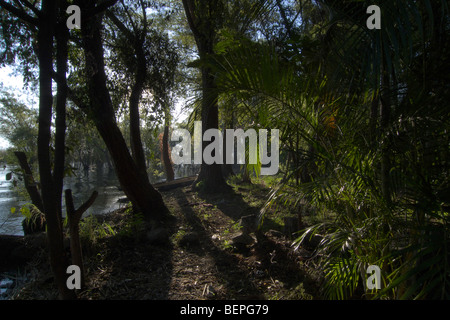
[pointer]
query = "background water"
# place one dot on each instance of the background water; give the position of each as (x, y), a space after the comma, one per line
(9, 223)
(82, 186)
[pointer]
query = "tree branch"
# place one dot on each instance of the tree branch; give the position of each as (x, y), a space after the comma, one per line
(70, 93)
(79, 212)
(119, 24)
(30, 184)
(104, 6)
(286, 22)
(190, 15)
(74, 217)
(19, 13)
(31, 7)
(144, 25)
(135, 29)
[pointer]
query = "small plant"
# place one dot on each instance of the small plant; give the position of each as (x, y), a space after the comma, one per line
(91, 229)
(134, 224)
(34, 219)
(200, 186)
(299, 293)
(206, 216)
(106, 230)
(227, 244)
(88, 226)
(179, 235)
(235, 227)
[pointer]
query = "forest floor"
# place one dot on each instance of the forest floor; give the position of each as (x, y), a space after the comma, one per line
(204, 257)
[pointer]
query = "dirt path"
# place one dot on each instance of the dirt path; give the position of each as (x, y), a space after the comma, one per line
(200, 261)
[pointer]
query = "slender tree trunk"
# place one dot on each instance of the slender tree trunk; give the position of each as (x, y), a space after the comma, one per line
(58, 260)
(137, 41)
(136, 93)
(74, 217)
(29, 182)
(170, 175)
(227, 169)
(62, 38)
(385, 111)
(135, 185)
(297, 159)
(28, 226)
(374, 115)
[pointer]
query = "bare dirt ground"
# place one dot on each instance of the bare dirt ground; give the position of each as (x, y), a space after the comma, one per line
(202, 259)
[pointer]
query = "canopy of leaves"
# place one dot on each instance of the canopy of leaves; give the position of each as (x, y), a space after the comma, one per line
(325, 88)
(18, 124)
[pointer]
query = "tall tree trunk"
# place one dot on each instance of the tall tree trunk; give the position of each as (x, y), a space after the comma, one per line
(385, 111)
(49, 195)
(227, 169)
(202, 18)
(210, 174)
(170, 175)
(62, 38)
(136, 93)
(374, 116)
(137, 39)
(135, 185)
(297, 159)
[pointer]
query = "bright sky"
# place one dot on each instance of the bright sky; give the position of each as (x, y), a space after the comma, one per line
(15, 84)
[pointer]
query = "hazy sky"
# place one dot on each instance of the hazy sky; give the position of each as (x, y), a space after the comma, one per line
(15, 84)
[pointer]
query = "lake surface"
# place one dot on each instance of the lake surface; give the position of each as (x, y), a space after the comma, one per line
(82, 187)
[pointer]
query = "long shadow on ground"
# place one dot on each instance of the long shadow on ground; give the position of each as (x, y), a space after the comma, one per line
(130, 268)
(266, 263)
(232, 275)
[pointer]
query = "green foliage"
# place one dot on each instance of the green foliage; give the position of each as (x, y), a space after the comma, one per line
(18, 125)
(134, 224)
(91, 229)
(17, 47)
(342, 278)
(32, 215)
(179, 235)
(131, 30)
(422, 268)
(227, 244)
(363, 117)
(382, 175)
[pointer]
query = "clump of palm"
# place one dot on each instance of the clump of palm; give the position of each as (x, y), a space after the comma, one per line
(384, 175)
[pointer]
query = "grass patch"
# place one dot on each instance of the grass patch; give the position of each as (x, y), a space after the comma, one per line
(91, 229)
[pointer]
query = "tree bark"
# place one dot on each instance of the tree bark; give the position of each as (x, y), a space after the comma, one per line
(30, 184)
(202, 18)
(135, 185)
(45, 22)
(227, 169)
(45, 35)
(170, 175)
(140, 77)
(374, 115)
(385, 110)
(74, 217)
(62, 38)
(136, 93)
(210, 174)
